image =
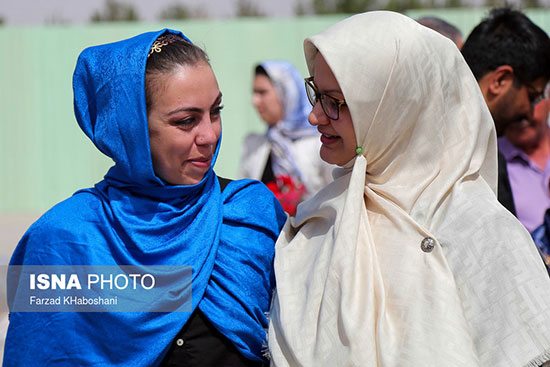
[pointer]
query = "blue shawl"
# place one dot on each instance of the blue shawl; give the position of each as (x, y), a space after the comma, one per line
(133, 218)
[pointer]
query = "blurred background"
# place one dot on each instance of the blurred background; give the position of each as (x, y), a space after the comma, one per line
(45, 157)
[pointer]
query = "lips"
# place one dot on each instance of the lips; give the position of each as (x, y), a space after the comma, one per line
(522, 123)
(201, 161)
(328, 139)
(515, 125)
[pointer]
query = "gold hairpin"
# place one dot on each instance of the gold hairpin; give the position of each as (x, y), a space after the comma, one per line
(163, 41)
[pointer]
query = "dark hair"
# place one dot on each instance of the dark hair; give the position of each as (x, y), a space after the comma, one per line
(508, 37)
(442, 27)
(260, 70)
(175, 52)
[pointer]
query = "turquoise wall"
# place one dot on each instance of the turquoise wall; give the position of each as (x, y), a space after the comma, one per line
(44, 157)
(467, 18)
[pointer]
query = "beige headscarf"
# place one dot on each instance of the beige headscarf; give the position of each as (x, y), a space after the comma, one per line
(407, 258)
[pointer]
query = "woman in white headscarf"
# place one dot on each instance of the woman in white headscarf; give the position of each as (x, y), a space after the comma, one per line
(285, 157)
(406, 258)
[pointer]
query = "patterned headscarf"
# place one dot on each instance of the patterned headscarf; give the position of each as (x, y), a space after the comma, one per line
(407, 258)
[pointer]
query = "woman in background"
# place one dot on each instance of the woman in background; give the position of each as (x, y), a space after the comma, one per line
(406, 258)
(286, 158)
(152, 104)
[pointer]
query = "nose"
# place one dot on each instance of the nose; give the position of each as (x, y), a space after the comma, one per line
(207, 134)
(539, 112)
(256, 100)
(317, 116)
(531, 114)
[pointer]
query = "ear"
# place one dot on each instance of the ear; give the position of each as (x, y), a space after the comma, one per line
(499, 81)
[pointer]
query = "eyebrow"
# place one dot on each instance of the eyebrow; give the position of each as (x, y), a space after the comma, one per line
(330, 92)
(196, 109)
(333, 91)
(326, 91)
(533, 89)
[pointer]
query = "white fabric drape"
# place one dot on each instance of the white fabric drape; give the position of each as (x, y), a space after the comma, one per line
(316, 173)
(354, 285)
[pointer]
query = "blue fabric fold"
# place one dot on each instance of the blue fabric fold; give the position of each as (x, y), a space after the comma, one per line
(133, 218)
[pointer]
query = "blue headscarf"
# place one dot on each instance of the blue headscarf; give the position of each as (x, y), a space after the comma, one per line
(290, 88)
(133, 218)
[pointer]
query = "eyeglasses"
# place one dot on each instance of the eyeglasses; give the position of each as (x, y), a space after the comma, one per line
(330, 105)
(536, 96)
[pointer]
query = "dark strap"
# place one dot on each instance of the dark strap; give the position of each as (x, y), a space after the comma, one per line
(268, 175)
(223, 182)
(504, 193)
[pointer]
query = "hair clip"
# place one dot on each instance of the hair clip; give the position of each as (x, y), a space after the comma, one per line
(162, 41)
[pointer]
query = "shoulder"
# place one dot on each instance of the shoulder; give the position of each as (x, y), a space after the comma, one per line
(82, 206)
(486, 230)
(251, 200)
(486, 216)
(252, 193)
(65, 223)
(255, 138)
(255, 141)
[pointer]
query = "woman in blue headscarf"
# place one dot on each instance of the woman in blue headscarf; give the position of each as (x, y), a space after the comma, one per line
(286, 158)
(152, 104)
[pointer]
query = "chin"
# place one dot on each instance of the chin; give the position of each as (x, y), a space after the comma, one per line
(193, 180)
(326, 156)
(522, 135)
(336, 162)
(185, 180)
(525, 142)
(270, 122)
(331, 157)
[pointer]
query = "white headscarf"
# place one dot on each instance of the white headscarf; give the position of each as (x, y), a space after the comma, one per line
(407, 258)
(289, 85)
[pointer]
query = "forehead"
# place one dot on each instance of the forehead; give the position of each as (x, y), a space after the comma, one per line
(262, 80)
(323, 76)
(186, 84)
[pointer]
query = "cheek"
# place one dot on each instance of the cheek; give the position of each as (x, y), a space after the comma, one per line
(523, 106)
(181, 145)
(274, 102)
(218, 130)
(510, 111)
(351, 146)
(155, 145)
(541, 111)
(171, 147)
(348, 132)
(158, 157)
(255, 100)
